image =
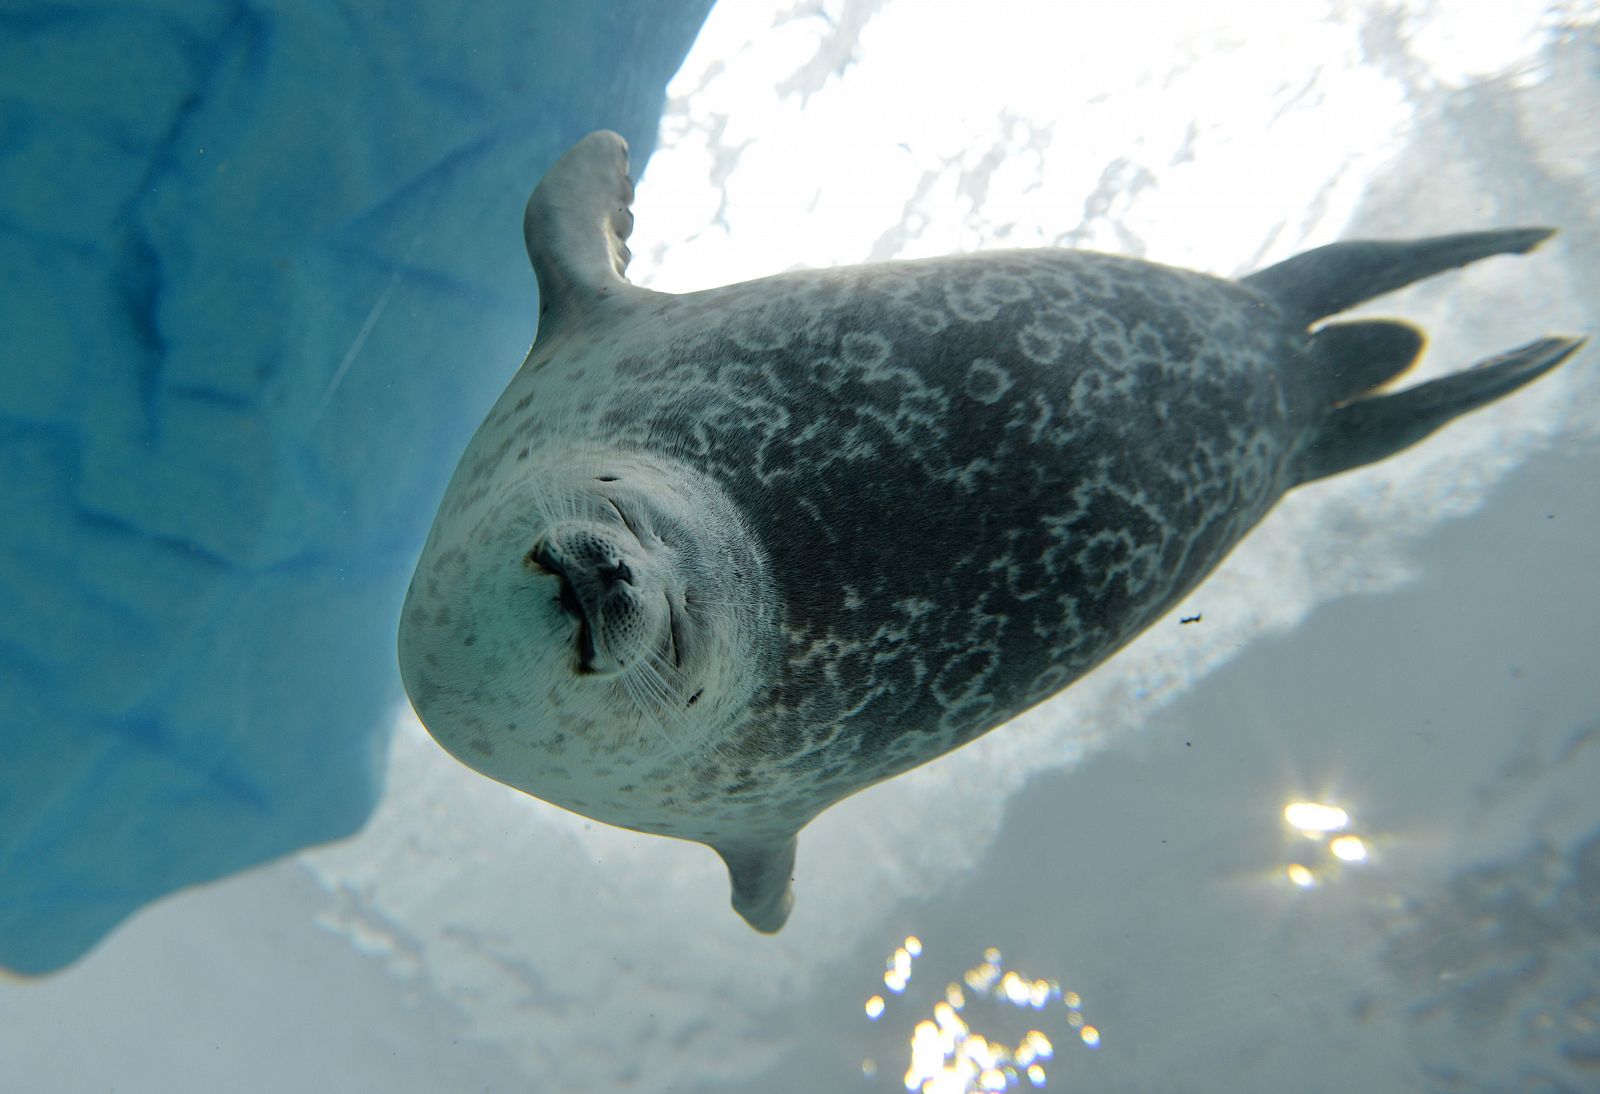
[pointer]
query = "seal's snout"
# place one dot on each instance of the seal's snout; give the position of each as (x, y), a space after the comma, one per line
(582, 550)
(598, 587)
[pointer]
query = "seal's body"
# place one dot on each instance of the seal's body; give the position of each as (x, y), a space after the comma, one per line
(716, 561)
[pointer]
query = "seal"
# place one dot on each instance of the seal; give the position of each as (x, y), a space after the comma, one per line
(715, 561)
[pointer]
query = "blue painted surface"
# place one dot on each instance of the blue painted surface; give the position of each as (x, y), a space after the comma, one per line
(263, 274)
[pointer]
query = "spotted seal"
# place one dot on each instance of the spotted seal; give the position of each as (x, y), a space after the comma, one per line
(715, 561)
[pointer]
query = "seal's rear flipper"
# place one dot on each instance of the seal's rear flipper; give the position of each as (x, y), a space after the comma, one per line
(1349, 360)
(1327, 280)
(1372, 428)
(762, 876)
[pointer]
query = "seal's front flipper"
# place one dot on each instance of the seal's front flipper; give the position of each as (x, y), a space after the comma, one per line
(1372, 428)
(762, 876)
(576, 228)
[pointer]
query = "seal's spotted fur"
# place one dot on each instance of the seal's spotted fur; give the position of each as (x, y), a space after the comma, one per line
(965, 482)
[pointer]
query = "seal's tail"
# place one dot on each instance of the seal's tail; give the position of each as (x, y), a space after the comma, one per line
(1351, 360)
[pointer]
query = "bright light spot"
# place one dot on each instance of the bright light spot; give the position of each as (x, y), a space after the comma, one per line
(869, 1067)
(980, 1051)
(913, 945)
(983, 977)
(902, 963)
(1313, 817)
(927, 1054)
(1301, 876)
(896, 984)
(1349, 848)
(949, 1021)
(950, 1054)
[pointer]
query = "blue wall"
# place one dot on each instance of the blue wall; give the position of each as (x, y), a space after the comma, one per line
(263, 274)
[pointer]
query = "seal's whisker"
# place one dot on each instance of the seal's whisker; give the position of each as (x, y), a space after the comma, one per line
(653, 676)
(644, 700)
(647, 692)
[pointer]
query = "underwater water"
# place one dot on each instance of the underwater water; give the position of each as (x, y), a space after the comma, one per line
(1341, 832)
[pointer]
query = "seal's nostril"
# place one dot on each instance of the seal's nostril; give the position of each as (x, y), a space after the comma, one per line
(616, 571)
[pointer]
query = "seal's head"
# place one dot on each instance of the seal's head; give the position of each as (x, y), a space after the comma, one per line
(603, 604)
